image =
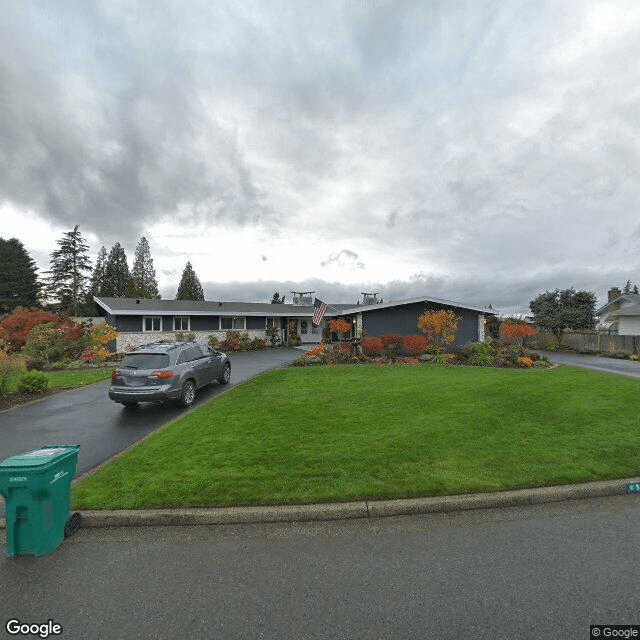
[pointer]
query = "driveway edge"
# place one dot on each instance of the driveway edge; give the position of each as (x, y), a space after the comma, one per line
(351, 510)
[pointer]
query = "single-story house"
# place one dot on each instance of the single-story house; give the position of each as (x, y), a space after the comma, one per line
(140, 320)
(620, 315)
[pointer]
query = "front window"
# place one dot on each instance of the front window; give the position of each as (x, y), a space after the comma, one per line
(152, 323)
(181, 323)
(228, 323)
(273, 323)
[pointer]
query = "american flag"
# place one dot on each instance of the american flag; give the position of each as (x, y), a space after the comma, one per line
(319, 311)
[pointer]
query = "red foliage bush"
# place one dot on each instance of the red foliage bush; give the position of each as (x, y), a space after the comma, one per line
(20, 321)
(391, 339)
(372, 347)
(415, 345)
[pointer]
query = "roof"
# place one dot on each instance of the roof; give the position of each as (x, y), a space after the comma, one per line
(147, 306)
(629, 310)
(629, 297)
(398, 303)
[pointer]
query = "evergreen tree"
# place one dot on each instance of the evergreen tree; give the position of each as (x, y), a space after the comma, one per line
(627, 287)
(97, 279)
(116, 273)
(69, 264)
(189, 287)
(567, 309)
(19, 284)
(143, 282)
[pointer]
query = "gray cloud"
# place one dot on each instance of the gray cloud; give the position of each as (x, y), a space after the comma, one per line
(345, 259)
(493, 146)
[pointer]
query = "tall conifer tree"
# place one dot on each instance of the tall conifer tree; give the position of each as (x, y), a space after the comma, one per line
(189, 287)
(67, 281)
(19, 284)
(116, 273)
(143, 283)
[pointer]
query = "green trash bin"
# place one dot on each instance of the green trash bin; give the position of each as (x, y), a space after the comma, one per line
(35, 486)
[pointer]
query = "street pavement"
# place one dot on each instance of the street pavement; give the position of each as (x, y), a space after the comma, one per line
(533, 572)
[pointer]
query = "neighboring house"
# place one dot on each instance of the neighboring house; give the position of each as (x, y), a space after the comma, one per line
(621, 314)
(140, 320)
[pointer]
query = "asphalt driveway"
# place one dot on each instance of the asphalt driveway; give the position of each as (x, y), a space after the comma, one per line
(598, 363)
(103, 428)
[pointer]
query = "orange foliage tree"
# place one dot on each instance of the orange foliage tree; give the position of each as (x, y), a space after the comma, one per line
(439, 326)
(19, 323)
(339, 326)
(517, 331)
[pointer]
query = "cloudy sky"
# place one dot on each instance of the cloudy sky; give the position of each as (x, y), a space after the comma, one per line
(481, 151)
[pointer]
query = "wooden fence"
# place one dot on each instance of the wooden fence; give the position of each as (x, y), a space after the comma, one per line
(594, 342)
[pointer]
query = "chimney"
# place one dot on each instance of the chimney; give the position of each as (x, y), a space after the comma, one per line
(614, 293)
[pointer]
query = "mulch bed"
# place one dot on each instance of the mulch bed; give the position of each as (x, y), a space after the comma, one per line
(11, 400)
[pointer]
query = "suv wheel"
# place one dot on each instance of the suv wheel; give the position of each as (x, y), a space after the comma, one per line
(188, 394)
(225, 376)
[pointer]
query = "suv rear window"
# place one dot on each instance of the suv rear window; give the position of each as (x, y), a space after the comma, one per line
(145, 361)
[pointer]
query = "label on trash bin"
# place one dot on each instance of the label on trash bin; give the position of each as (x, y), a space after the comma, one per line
(59, 474)
(18, 479)
(45, 452)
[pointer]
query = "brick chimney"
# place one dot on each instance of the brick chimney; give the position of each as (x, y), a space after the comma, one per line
(614, 293)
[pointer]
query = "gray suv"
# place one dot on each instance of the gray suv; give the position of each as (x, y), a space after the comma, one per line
(167, 371)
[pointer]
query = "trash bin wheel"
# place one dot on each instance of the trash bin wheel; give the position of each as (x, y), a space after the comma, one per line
(73, 524)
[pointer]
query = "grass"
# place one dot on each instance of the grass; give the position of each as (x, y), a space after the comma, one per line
(372, 432)
(67, 378)
(77, 377)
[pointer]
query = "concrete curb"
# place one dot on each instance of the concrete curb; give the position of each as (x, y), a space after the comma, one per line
(351, 510)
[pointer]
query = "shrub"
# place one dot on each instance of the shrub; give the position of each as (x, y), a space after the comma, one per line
(415, 345)
(372, 347)
(258, 343)
(214, 341)
(10, 366)
(391, 340)
(517, 331)
(185, 336)
(32, 382)
(231, 341)
(19, 323)
(479, 354)
(525, 362)
(273, 335)
(315, 351)
(37, 364)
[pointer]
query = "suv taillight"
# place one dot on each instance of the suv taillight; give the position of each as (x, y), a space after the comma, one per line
(162, 374)
(115, 374)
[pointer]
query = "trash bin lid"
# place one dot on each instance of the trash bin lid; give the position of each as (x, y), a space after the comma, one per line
(47, 456)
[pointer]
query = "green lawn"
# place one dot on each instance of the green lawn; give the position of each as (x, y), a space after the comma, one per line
(68, 378)
(76, 377)
(352, 432)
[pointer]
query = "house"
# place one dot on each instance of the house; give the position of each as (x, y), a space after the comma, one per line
(620, 315)
(140, 320)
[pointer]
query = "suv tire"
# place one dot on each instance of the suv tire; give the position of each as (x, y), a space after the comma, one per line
(188, 394)
(225, 374)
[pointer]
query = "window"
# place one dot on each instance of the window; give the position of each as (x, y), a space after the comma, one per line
(152, 323)
(181, 323)
(273, 323)
(227, 324)
(190, 354)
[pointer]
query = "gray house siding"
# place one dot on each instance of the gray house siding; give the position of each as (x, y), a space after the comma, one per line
(403, 320)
